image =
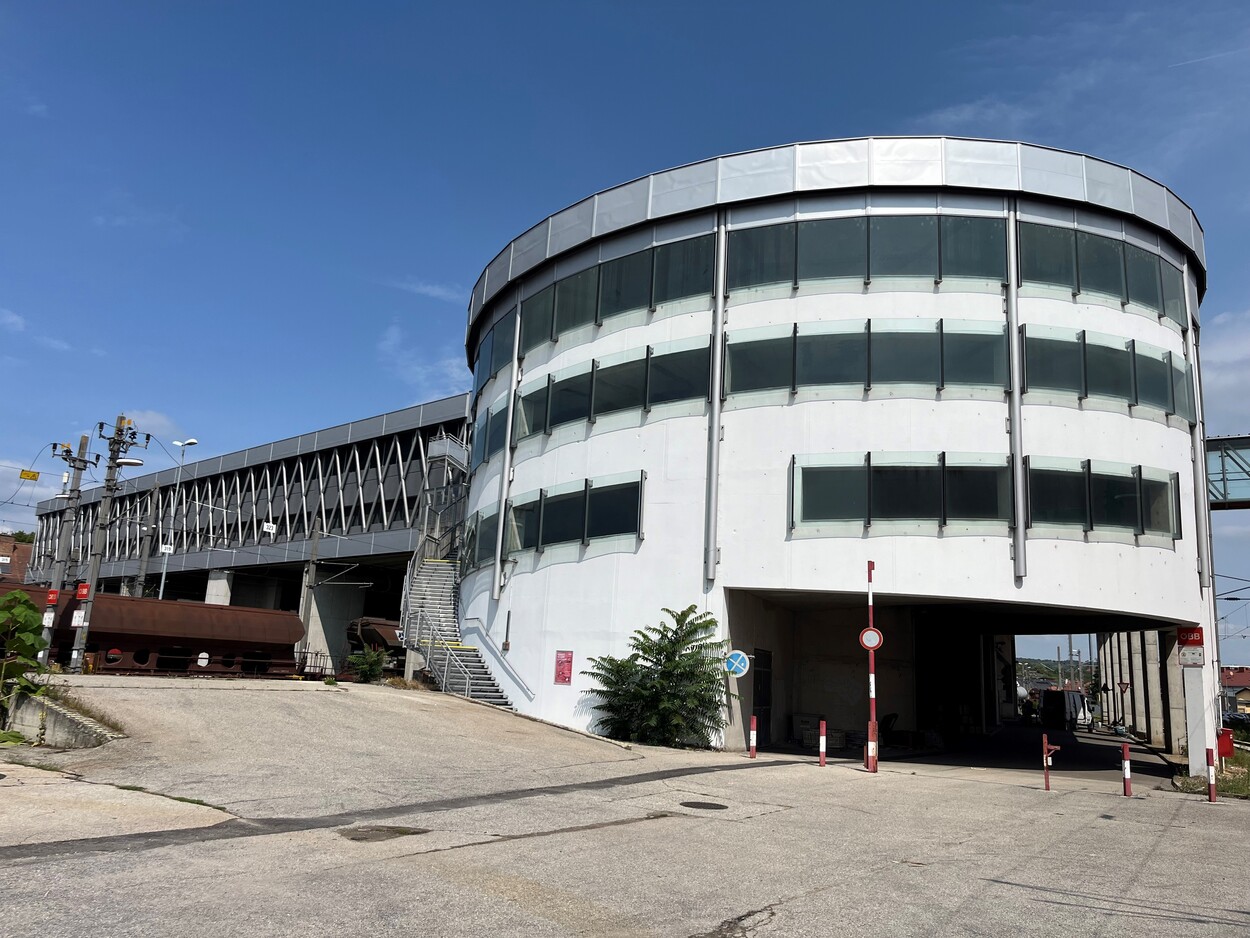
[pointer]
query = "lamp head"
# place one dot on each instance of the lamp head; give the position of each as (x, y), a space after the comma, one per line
(129, 461)
(189, 441)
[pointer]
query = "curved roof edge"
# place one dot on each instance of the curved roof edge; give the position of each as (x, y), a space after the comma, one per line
(853, 163)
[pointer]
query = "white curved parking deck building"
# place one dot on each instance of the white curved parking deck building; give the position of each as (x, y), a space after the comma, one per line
(735, 383)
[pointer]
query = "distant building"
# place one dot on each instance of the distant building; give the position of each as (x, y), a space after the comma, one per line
(1235, 689)
(14, 560)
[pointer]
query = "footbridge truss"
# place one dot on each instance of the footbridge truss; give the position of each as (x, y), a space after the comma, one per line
(367, 486)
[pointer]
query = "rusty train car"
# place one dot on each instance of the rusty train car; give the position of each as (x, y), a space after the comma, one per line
(131, 635)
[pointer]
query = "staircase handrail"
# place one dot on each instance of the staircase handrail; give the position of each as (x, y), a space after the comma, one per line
(448, 659)
(497, 653)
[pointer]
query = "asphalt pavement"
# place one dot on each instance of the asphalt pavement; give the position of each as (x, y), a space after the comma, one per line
(369, 811)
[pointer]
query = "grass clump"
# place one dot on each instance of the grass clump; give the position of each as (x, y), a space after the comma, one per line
(1233, 781)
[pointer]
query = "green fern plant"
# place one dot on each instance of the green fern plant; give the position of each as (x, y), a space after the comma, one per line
(670, 690)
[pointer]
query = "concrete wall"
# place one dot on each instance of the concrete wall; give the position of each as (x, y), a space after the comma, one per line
(333, 607)
(46, 722)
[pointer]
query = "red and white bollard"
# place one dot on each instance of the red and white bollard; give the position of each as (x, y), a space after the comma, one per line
(1211, 775)
(1047, 750)
(822, 742)
(1128, 770)
(753, 737)
(870, 760)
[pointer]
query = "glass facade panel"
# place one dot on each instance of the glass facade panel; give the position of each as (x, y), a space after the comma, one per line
(1113, 501)
(833, 247)
(477, 452)
(834, 493)
(536, 319)
(1183, 393)
(832, 359)
(974, 247)
(504, 333)
(1048, 255)
(1054, 364)
(496, 432)
(978, 493)
(570, 400)
(903, 246)
(563, 518)
(1173, 293)
(679, 376)
(1154, 382)
(532, 413)
(524, 534)
(760, 255)
(911, 492)
(976, 359)
(625, 284)
(1056, 496)
(904, 358)
(481, 369)
(684, 268)
(1108, 371)
(1157, 505)
(577, 299)
(1101, 264)
(620, 387)
(1142, 268)
(613, 510)
(487, 532)
(755, 366)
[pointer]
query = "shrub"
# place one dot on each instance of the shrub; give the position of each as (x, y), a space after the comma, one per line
(21, 640)
(368, 665)
(670, 690)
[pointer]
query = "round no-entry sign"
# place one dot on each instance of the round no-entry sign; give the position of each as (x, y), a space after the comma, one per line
(871, 638)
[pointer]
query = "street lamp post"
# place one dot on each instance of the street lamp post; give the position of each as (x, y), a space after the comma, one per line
(167, 549)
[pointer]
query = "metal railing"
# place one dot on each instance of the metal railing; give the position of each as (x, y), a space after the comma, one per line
(433, 648)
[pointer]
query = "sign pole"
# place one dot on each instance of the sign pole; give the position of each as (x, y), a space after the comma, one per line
(872, 685)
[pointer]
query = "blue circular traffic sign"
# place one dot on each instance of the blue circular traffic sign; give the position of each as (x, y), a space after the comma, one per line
(737, 663)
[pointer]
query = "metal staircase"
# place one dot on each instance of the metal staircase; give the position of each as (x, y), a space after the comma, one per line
(431, 628)
(429, 611)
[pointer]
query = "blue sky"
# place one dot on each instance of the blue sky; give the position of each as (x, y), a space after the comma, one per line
(241, 221)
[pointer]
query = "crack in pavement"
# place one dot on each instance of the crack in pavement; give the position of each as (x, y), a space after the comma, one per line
(258, 827)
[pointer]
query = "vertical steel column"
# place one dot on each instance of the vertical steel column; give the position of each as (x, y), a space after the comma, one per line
(711, 550)
(1014, 402)
(505, 478)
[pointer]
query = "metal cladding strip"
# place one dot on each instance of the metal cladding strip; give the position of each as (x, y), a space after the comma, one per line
(830, 165)
(1015, 414)
(505, 477)
(1198, 446)
(710, 557)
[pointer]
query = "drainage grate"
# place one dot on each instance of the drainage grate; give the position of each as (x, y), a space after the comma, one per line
(704, 805)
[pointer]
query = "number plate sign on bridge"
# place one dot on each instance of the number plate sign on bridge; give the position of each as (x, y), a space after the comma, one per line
(737, 663)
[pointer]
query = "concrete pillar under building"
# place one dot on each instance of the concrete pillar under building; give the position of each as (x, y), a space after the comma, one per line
(219, 585)
(1175, 692)
(1137, 678)
(1154, 684)
(1123, 701)
(330, 609)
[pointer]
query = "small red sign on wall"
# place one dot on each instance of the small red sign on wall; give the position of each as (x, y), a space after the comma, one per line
(564, 667)
(1189, 635)
(53, 596)
(83, 591)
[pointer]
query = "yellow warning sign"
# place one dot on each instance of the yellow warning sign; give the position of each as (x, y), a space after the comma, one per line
(30, 475)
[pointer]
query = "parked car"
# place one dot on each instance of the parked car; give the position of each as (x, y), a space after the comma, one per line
(1065, 710)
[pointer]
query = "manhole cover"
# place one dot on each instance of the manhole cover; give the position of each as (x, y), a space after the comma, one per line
(373, 833)
(704, 805)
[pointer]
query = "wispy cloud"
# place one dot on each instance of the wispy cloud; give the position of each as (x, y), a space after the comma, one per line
(119, 209)
(38, 109)
(1225, 374)
(53, 343)
(435, 291)
(153, 422)
(11, 321)
(431, 376)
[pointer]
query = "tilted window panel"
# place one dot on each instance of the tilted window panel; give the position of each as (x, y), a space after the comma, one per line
(1108, 370)
(504, 337)
(903, 246)
(1100, 265)
(1058, 495)
(1144, 284)
(974, 358)
(577, 301)
(536, 319)
(531, 412)
(977, 492)
(625, 284)
(679, 376)
(1183, 391)
(563, 518)
(523, 526)
(1047, 255)
(497, 430)
(905, 492)
(1053, 363)
(833, 493)
(487, 533)
(1113, 498)
(481, 369)
(1173, 292)
(683, 269)
(974, 248)
(832, 358)
(903, 357)
(570, 400)
(760, 256)
(1154, 378)
(833, 248)
(613, 509)
(760, 365)
(620, 387)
